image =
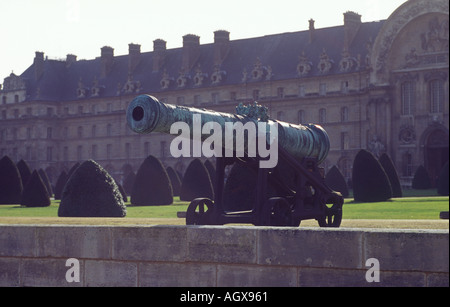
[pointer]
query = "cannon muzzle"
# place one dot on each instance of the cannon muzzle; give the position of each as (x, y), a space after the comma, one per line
(146, 114)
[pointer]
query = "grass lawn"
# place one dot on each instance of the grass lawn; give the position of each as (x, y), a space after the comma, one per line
(427, 207)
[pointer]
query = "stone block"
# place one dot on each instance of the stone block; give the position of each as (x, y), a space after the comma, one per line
(256, 276)
(177, 275)
(409, 250)
(99, 273)
(74, 241)
(40, 272)
(17, 241)
(152, 243)
(9, 272)
(310, 247)
(221, 244)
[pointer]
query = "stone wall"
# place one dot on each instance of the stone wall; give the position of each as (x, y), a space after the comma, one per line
(210, 256)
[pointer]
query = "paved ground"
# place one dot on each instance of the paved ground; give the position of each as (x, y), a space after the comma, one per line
(403, 224)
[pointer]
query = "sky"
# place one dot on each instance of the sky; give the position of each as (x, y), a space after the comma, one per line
(82, 27)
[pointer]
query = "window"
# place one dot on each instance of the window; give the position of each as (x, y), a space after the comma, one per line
(109, 130)
(16, 98)
(301, 116)
(322, 89)
(280, 92)
(4, 99)
(322, 116)
(436, 96)
(94, 131)
(344, 87)
(80, 109)
(344, 141)
(407, 97)
(344, 114)
(255, 94)
(301, 91)
(66, 153)
(233, 96)
(49, 132)
(407, 164)
(80, 132)
(215, 98)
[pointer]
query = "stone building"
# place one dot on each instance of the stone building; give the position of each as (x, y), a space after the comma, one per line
(380, 85)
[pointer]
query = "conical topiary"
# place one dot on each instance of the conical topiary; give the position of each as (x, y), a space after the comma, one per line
(128, 183)
(72, 169)
(390, 170)
(35, 193)
(10, 182)
(60, 183)
(46, 181)
(421, 179)
(196, 182)
(442, 184)
(336, 181)
(370, 181)
(91, 192)
(24, 170)
(151, 185)
(174, 180)
(211, 171)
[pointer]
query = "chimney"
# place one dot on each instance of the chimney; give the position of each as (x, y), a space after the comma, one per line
(191, 52)
(221, 46)
(107, 61)
(70, 59)
(311, 30)
(352, 22)
(38, 65)
(134, 53)
(159, 53)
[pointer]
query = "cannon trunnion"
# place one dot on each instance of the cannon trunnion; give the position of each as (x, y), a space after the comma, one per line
(292, 191)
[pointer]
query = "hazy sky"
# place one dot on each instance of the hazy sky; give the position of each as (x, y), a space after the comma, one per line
(82, 27)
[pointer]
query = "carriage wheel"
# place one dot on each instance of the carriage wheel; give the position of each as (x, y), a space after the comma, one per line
(199, 212)
(276, 212)
(333, 214)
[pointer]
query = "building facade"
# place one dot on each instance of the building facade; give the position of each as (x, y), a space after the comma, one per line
(381, 86)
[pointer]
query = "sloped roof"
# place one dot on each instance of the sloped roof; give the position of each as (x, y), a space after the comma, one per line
(280, 52)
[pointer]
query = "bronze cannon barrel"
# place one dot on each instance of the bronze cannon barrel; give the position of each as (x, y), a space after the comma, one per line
(146, 114)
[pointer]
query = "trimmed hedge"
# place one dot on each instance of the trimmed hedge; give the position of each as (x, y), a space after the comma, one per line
(174, 180)
(390, 170)
(336, 181)
(60, 183)
(10, 182)
(421, 180)
(370, 181)
(35, 193)
(91, 192)
(46, 182)
(196, 182)
(24, 170)
(152, 185)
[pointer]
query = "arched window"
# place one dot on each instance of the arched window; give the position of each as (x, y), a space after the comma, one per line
(344, 114)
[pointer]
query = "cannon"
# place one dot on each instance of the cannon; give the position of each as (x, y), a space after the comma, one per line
(296, 182)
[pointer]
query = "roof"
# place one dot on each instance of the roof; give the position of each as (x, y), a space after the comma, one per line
(278, 57)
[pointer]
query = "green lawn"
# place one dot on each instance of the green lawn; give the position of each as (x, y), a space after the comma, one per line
(396, 208)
